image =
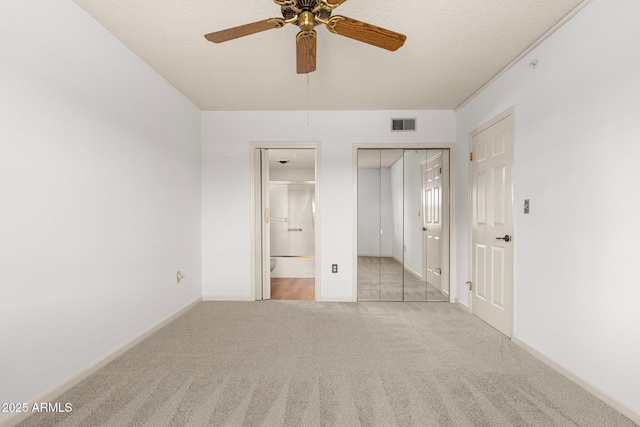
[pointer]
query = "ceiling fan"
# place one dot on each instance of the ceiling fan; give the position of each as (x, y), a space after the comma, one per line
(306, 14)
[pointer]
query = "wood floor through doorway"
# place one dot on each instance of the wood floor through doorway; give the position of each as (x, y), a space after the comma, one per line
(286, 288)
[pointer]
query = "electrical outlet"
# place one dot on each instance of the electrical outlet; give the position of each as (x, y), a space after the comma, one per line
(334, 268)
(527, 206)
(179, 276)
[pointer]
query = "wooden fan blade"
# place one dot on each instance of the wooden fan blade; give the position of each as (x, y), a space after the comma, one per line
(336, 2)
(306, 52)
(366, 33)
(243, 30)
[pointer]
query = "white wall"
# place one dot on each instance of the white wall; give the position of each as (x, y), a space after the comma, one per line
(386, 224)
(99, 196)
(577, 145)
(294, 268)
(370, 213)
(226, 185)
(292, 175)
(376, 228)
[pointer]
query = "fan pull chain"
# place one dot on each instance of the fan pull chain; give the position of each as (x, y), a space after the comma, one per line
(307, 99)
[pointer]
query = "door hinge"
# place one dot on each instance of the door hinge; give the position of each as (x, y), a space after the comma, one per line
(470, 285)
(471, 157)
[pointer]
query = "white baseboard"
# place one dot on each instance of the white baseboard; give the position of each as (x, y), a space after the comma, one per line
(337, 299)
(59, 389)
(226, 298)
(463, 306)
(619, 406)
(413, 273)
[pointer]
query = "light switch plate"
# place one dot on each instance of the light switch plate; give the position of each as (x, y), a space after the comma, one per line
(526, 206)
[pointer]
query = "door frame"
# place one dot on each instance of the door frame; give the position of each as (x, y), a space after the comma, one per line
(256, 268)
(508, 112)
(450, 146)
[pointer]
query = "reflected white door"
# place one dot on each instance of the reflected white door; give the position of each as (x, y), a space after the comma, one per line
(492, 224)
(432, 217)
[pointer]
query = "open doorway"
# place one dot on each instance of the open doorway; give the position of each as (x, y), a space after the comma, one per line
(286, 223)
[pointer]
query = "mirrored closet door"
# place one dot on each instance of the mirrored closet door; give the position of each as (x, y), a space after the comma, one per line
(403, 230)
(380, 257)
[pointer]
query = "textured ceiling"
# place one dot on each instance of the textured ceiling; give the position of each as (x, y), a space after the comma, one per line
(453, 48)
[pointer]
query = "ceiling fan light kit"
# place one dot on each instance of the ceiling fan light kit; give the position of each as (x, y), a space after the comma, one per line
(307, 14)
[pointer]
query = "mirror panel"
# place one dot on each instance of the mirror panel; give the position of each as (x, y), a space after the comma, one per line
(392, 224)
(369, 223)
(414, 260)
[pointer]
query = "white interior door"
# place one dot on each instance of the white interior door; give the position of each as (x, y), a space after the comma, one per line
(492, 224)
(266, 229)
(432, 173)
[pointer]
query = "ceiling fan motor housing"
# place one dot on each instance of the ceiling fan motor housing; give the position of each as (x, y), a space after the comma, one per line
(307, 4)
(306, 11)
(306, 21)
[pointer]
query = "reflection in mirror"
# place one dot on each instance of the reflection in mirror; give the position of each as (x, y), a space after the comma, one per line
(380, 272)
(391, 258)
(369, 219)
(414, 262)
(403, 225)
(424, 237)
(435, 179)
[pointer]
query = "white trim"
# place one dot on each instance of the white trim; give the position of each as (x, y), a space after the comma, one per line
(447, 155)
(500, 117)
(354, 227)
(413, 273)
(53, 393)
(255, 271)
(227, 298)
(463, 306)
(453, 288)
(527, 51)
(318, 191)
(337, 299)
(380, 256)
(592, 388)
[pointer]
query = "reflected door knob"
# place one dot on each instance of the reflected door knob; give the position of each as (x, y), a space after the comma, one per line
(506, 238)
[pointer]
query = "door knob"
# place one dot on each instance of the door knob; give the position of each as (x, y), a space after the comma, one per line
(506, 238)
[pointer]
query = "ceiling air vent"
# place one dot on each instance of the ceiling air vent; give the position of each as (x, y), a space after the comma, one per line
(403, 125)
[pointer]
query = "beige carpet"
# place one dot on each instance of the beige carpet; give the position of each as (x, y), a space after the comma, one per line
(304, 363)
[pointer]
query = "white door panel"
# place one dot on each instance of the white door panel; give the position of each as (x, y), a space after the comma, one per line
(266, 228)
(432, 226)
(492, 211)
